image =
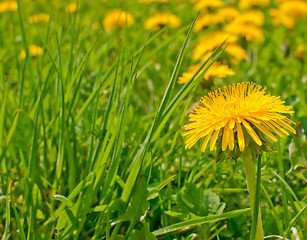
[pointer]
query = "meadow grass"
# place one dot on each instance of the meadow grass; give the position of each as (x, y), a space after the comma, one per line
(91, 141)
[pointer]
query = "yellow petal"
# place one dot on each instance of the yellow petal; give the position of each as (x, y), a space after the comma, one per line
(251, 132)
(191, 141)
(279, 127)
(286, 126)
(224, 140)
(273, 129)
(230, 138)
(213, 140)
(203, 147)
(240, 137)
(265, 131)
(232, 123)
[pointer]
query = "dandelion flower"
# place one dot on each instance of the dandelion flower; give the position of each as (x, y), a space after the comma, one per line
(236, 117)
(250, 17)
(227, 13)
(222, 15)
(201, 4)
(280, 17)
(117, 18)
(71, 8)
(204, 21)
(243, 4)
(296, 9)
(216, 70)
(245, 30)
(159, 20)
(153, 1)
(211, 42)
(40, 17)
(300, 51)
(236, 52)
(33, 50)
(8, 6)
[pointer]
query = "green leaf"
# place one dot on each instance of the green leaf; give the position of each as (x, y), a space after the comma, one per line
(63, 199)
(23, 131)
(298, 151)
(199, 221)
(142, 234)
(138, 204)
(199, 201)
(156, 187)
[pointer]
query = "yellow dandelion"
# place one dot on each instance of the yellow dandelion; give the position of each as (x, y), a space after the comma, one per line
(216, 70)
(227, 14)
(117, 18)
(204, 21)
(71, 8)
(40, 17)
(250, 17)
(246, 30)
(8, 6)
(243, 4)
(201, 4)
(236, 52)
(296, 9)
(153, 1)
(222, 15)
(209, 43)
(33, 50)
(300, 51)
(207, 20)
(237, 116)
(159, 20)
(279, 17)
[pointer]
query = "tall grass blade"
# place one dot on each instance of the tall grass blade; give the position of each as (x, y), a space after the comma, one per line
(201, 220)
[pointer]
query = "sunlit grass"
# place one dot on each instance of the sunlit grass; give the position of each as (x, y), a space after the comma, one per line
(91, 122)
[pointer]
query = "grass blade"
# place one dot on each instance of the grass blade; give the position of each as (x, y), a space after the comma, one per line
(137, 163)
(194, 222)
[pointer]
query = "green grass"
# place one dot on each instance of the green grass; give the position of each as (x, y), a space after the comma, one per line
(91, 143)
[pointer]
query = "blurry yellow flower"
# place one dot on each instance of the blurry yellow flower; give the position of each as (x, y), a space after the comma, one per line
(8, 6)
(117, 18)
(216, 70)
(296, 9)
(41, 17)
(279, 17)
(211, 42)
(71, 8)
(242, 114)
(205, 20)
(253, 3)
(206, 4)
(236, 52)
(152, 1)
(227, 14)
(246, 30)
(300, 51)
(251, 17)
(222, 15)
(159, 20)
(33, 50)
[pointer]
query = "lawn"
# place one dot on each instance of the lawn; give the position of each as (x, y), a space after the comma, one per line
(123, 119)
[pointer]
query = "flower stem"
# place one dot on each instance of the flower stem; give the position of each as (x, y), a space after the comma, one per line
(252, 187)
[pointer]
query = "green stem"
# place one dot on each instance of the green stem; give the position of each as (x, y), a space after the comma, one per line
(252, 187)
